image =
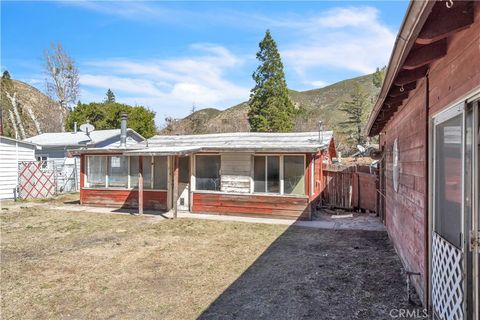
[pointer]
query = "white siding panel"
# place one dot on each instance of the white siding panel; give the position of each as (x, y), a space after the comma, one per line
(10, 154)
(235, 172)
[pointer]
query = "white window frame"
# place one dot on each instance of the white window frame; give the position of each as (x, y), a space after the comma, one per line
(193, 174)
(281, 173)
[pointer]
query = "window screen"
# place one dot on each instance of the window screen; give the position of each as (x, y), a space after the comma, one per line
(160, 173)
(96, 171)
(117, 171)
(266, 174)
(207, 172)
(147, 172)
(448, 179)
(133, 172)
(273, 174)
(294, 175)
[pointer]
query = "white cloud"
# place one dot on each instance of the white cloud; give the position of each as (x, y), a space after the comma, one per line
(350, 38)
(168, 86)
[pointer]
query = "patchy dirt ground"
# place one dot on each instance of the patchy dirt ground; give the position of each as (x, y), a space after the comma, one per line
(95, 266)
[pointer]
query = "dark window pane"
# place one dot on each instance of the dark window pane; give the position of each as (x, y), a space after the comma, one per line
(448, 180)
(259, 174)
(293, 175)
(273, 174)
(160, 173)
(207, 173)
(184, 170)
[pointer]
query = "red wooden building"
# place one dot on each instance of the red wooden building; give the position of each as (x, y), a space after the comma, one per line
(267, 174)
(427, 117)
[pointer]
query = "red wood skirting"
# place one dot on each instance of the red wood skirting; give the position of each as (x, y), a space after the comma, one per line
(153, 200)
(253, 205)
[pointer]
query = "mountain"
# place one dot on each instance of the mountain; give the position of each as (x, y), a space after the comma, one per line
(26, 112)
(313, 106)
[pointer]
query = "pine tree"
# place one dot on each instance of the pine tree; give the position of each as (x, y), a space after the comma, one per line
(356, 110)
(6, 75)
(110, 97)
(271, 109)
(378, 77)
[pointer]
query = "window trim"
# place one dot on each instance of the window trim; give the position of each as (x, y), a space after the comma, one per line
(129, 186)
(281, 174)
(193, 174)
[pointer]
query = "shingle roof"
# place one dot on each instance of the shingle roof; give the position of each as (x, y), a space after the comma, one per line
(78, 139)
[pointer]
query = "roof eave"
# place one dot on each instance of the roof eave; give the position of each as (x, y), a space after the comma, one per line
(417, 14)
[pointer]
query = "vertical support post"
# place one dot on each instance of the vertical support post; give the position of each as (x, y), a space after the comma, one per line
(82, 176)
(140, 185)
(175, 187)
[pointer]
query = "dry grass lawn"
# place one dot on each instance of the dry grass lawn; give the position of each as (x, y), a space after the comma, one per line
(85, 265)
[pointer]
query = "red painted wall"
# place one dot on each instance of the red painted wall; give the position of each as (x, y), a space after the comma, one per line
(117, 198)
(255, 205)
(450, 78)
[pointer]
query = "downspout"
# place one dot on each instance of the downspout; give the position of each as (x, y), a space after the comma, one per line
(427, 198)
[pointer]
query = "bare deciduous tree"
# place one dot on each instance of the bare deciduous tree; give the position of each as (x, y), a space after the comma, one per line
(62, 76)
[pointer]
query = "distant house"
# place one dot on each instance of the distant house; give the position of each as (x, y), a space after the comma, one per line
(56, 145)
(267, 174)
(11, 153)
(428, 119)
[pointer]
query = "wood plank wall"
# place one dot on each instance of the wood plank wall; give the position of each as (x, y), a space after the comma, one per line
(235, 172)
(450, 79)
(117, 198)
(252, 205)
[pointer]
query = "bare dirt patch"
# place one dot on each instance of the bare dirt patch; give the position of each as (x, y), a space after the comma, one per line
(96, 266)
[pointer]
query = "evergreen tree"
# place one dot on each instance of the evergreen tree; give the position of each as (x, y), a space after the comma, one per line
(107, 116)
(378, 77)
(6, 75)
(110, 97)
(356, 109)
(271, 109)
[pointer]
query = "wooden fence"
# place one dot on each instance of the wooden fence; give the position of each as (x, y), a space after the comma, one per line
(349, 188)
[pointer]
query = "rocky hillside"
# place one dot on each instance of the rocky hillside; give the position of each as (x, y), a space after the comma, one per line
(313, 105)
(26, 112)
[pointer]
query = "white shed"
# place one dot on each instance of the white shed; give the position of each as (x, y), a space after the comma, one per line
(11, 152)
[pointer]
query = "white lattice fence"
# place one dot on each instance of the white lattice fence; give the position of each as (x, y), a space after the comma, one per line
(447, 279)
(36, 180)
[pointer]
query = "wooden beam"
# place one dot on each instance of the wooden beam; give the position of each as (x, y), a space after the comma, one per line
(397, 90)
(409, 76)
(443, 22)
(140, 185)
(175, 186)
(394, 100)
(425, 54)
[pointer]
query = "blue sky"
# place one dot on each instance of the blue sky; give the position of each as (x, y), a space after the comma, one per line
(171, 55)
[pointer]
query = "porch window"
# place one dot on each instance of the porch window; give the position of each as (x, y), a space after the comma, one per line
(207, 172)
(294, 175)
(266, 174)
(96, 171)
(134, 172)
(147, 172)
(160, 173)
(117, 171)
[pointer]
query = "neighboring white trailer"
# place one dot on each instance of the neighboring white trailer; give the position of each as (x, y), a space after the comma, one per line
(11, 152)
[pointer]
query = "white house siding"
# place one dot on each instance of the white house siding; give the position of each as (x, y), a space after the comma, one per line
(236, 172)
(11, 152)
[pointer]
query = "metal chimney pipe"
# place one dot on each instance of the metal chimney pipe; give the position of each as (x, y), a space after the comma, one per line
(75, 127)
(123, 129)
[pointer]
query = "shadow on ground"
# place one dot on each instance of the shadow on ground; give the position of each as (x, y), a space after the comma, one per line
(317, 274)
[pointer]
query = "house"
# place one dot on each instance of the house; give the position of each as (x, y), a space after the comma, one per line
(427, 117)
(56, 146)
(268, 174)
(11, 153)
